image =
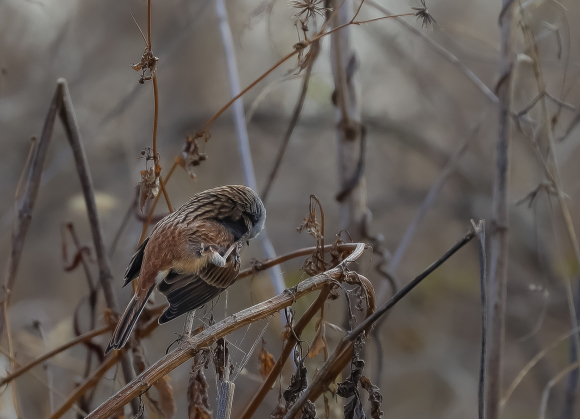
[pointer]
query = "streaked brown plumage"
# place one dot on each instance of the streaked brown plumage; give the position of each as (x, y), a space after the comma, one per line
(193, 253)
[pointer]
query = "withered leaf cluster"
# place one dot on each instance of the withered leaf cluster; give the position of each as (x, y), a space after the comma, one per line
(319, 343)
(147, 64)
(197, 396)
(298, 381)
(190, 155)
(349, 387)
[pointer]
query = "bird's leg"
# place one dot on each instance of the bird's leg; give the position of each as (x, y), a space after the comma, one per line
(188, 327)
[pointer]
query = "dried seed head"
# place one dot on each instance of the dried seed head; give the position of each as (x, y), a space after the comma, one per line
(422, 14)
(308, 9)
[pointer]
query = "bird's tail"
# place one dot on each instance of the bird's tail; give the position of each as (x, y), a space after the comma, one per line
(128, 321)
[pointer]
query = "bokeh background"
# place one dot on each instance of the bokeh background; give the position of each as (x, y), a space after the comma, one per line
(418, 107)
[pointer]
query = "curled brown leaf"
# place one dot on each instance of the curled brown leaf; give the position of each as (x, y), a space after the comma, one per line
(265, 361)
(197, 396)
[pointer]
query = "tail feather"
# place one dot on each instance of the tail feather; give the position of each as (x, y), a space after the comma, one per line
(128, 321)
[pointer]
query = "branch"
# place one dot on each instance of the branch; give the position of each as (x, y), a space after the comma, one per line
(219, 330)
(89, 383)
(55, 351)
(444, 53)
(25, 201)
(293, 121)
(68, 119)
(499, 246)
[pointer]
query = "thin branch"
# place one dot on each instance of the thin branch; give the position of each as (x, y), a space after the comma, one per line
(105, 276)
(81, 339)
(231, 323)
(25, 203)
(480, 232)
(557, 378)
(293, 122)
(442, 52)
(87, 384)
(527, 368)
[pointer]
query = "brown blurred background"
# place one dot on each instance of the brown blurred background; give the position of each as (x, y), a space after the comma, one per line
(418, 108)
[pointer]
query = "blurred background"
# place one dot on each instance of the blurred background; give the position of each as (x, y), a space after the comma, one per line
(419, 108)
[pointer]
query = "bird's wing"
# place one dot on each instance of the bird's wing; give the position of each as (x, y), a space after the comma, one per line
(186, 292)
(134, 267)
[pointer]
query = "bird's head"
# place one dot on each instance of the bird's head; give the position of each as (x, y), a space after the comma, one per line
(253, 210)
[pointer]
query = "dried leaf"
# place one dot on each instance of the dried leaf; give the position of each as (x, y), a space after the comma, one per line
(375, 397)
(77, 258)
(348, 388)
(190, 155)
(326, 407)
(265, 361)
(298, 381)
(319, 343)
(165, 391)
(221, 357)
(197, 396)
(148, 186)
(280, 410)
(309, 410)
(354, 409)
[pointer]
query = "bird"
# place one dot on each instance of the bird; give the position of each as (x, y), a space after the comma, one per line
(193, 254)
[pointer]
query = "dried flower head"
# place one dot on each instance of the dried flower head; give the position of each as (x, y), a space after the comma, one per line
(308, 9)
(422, 14)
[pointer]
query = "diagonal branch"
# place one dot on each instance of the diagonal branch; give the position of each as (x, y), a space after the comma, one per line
(219, 330)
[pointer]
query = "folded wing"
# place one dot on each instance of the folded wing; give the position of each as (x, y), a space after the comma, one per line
(186, 292)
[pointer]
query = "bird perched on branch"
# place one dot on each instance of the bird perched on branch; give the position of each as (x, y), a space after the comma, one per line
(193, 253)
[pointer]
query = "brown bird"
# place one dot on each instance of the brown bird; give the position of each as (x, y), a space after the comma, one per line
(193, 253)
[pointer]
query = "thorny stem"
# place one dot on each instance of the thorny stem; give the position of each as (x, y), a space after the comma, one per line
(324, 377)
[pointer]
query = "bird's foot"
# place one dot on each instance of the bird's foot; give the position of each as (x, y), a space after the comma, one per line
(214, 256)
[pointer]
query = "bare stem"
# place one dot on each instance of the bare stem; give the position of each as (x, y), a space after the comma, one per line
(499, 245)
